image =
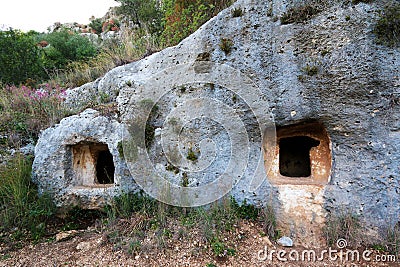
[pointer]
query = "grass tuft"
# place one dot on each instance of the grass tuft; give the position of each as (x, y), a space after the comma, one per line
(393, 239)
(136, 223)
(226, 45)
(344, 225)
(237, 12)
(21, 208)
(300, 14)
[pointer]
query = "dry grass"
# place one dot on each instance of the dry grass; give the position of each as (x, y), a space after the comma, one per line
(344, 225)
(132, 46)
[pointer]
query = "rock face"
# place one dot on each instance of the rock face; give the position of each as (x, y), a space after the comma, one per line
(68, 156)
(332, 91)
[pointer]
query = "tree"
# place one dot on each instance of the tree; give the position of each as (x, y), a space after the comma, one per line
(96, 24)
(144, 13)
(19, 57)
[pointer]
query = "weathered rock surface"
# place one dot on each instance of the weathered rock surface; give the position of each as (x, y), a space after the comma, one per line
(354, 94)
(53, 166)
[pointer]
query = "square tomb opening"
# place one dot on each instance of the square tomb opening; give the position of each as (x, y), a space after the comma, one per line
(301, 155)
(92, 164)
(294, 156)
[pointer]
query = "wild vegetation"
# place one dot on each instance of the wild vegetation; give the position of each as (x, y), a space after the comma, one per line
(22, 211)
(347, 225)
(132, 218)
(25, 111)
(302, 12)
(37, 68)
(387, 28)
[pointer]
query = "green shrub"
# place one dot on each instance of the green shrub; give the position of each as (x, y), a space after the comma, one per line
(149, 133)
(170, 167)
(245, 210)
(143, 217)
(19, 57)
(268, 220)
(73, 60)
(120, 148)
(132, 46)
(96, 25)
(220, 249)
(387, 29)
(20, 205)
(185, 180)
(126, 204)
(64, 47)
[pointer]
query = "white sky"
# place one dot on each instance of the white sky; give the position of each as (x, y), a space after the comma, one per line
(38, 15)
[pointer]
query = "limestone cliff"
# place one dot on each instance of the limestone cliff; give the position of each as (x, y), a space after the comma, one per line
(325, 79)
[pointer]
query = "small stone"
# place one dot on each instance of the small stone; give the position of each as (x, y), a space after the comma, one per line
(83, 246)
(285, 241)
(157, 132)
(137, 257)
(66, 235)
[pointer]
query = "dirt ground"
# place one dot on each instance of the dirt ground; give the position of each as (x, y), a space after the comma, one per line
(91, 247)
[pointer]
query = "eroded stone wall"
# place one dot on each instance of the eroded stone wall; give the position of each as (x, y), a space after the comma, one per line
(353, 94)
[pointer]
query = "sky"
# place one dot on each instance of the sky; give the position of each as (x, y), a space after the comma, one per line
(38, 15)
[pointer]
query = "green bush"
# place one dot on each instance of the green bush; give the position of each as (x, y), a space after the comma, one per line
(387, 28)
(96, 25)
(167, 24)
(19, 57)
(64, 47)
(268, 220)
(191, 155)
(310, 70)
